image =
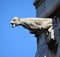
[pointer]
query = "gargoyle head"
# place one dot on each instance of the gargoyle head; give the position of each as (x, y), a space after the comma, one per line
(15, 21)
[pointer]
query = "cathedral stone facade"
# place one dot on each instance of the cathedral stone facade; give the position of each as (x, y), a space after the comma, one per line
(49, 9)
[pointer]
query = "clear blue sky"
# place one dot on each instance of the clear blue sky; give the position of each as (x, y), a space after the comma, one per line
(16, 42)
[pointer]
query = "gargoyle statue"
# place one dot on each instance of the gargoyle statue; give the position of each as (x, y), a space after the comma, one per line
(32, 23)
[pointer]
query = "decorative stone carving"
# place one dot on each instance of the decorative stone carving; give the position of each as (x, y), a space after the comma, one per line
(39, 27)
(32, 23)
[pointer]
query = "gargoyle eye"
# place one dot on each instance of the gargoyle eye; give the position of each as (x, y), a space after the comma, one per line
(14, 20)
(18, 19)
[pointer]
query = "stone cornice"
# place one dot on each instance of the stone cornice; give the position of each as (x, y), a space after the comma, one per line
(37, 3)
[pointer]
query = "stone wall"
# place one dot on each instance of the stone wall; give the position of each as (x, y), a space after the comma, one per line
(47, 8)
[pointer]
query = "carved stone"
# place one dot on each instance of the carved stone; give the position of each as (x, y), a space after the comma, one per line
(42, 28)
(32, 23)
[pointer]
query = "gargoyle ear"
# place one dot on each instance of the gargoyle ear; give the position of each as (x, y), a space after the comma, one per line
(15, 17)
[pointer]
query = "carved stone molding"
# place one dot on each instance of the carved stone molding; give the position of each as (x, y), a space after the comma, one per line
(43, 29)
(35, 25)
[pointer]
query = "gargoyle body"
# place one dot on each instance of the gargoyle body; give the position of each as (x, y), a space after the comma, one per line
(39, 26)
(32, 23)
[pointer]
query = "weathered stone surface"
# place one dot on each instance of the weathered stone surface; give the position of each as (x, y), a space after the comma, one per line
(43, 29)
(49, 8)
(46, 7)
(32, 23)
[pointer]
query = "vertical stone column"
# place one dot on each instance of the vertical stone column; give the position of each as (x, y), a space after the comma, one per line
(58, 35)
(47, 44)
(42, 48)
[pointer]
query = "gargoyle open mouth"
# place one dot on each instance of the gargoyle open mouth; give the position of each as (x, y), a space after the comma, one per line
(13, 25)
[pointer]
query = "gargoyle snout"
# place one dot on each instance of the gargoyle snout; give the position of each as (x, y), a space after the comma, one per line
(13, 25)
(11, 22)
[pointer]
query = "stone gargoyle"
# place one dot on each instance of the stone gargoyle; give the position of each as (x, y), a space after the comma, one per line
(38, 26)
(32, 24)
